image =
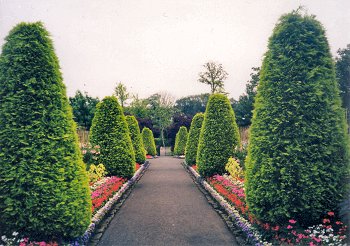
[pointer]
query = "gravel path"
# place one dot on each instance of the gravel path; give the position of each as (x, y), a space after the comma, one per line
(166, 208)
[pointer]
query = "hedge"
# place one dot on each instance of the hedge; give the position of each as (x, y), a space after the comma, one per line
(298, 157)
(44, 187)
(148, 141)
(218, 137)
(136, 139)
(180, 141)
(110, 131)
(193, 137)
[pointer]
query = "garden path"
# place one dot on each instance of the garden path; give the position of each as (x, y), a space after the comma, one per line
(166, 208)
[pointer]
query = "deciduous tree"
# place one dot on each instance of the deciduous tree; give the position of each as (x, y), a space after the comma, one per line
(214, 75)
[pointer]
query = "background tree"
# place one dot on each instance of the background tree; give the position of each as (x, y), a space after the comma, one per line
(180, 141)
(192, 105)
(136, 139)
(161, 106)
(193, 137)
(138, 108)
(148, 141)
(179, 119)
(244, 106)
(44, 189)
(121, 93)
(298, 156)
(214, 75)
(110, 131)
(218, 137)
(343, 76)
(83, 108)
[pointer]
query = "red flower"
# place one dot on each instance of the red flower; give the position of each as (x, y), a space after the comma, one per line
(326, 221)
(292, 221)
(276, 228)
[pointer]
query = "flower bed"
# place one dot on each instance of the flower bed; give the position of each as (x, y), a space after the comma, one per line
(106, 188)
(230, 194)
(99, 215)
(104, 194)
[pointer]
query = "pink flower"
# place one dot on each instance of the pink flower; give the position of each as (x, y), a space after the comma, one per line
(292, 221)
(330, 213)
(316, 239)
(312, 244)
(289, 227)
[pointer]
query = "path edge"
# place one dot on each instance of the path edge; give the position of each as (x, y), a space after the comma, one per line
(104, 215)
(214, 201)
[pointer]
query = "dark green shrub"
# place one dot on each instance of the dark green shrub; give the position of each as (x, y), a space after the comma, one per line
(44, 187)
(218, 137)
(110, 131)
(180, 141)
(148, 141)
(298, 155)
(136, 139)
(193, 137)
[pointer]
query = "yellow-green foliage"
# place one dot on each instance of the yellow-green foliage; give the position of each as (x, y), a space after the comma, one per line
(96, 172)
(180, 141)
(218, 137)
(44, 186)
(148, 141)
(193, 137)
(234, 169)
(110, 131)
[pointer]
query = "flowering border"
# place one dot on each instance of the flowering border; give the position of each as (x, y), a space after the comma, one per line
(241, 222)
(100, 214)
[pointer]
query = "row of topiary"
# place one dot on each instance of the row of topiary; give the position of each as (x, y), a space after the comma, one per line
(44, 185)
(298, 155)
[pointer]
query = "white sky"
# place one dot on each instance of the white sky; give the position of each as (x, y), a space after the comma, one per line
(161, 45)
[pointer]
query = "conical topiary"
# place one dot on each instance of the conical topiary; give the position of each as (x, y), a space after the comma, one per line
(180, 141)
(44, 187)
(110, 131)
(148, 141)
(298, 155)
(193, 137)
(218, 137)
(136, 139)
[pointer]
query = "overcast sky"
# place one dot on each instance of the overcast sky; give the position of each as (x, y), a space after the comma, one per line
(160, 45)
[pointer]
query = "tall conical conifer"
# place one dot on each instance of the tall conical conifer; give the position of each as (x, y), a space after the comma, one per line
(110, 131)
(136, 138)
(44, 187)
(193, 137)
(218, 137)
(298, 155)
(148, 141)
(180, 141)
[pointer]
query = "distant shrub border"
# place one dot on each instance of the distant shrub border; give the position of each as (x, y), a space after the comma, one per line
(100, 214)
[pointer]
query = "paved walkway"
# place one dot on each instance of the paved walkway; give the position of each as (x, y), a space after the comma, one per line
(166, 208)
